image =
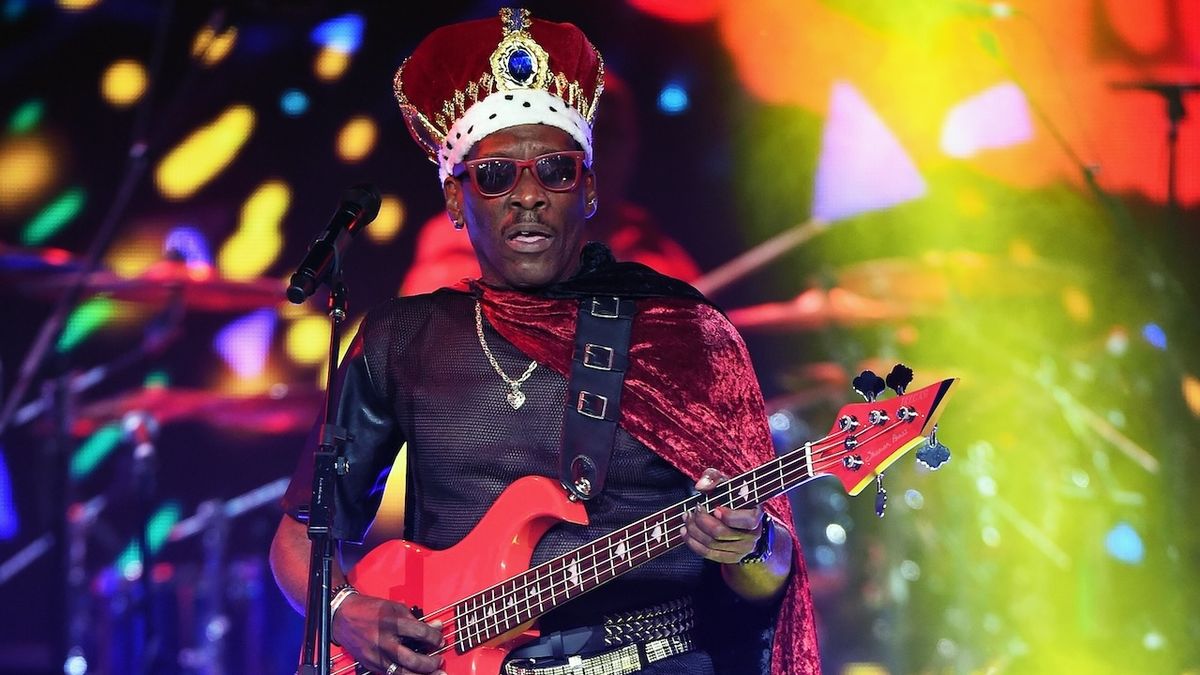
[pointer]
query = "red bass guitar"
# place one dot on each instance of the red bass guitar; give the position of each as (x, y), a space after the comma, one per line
(487, 597)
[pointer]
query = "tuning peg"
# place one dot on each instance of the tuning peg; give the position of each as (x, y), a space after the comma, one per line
(880, 495)
(934, 454)
(900, 377)
(868, 385)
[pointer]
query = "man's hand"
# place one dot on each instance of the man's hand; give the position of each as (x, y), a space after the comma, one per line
(724, 535)
(372, 630)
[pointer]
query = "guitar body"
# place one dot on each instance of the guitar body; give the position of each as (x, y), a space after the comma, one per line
(500, 546)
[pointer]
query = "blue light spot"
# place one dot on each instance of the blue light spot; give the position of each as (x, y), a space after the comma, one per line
(1124, 544)
(13, 9)
(188, 245)
(342, 34)
(293, 102)
(673, 99)
(8, 509)
(1155, 336)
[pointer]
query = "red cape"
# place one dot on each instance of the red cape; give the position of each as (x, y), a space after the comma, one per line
(692, 397)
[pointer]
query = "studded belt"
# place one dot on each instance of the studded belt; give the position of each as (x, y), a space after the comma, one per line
(629, 639)
(619, 661)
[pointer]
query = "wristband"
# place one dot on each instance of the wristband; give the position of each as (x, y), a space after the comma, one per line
(762, 547)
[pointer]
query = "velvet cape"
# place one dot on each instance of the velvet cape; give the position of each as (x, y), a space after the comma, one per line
(690, 395)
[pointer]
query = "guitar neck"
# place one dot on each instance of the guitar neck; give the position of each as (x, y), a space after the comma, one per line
(525, 597)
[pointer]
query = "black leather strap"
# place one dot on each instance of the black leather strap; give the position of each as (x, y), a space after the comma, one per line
(594, 392)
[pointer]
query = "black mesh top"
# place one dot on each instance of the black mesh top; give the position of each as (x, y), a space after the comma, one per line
(418, 374)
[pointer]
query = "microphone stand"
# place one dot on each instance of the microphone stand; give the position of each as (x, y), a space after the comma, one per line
(328, 463)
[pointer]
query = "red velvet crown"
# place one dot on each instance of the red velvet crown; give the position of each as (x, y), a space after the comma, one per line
(459, 66)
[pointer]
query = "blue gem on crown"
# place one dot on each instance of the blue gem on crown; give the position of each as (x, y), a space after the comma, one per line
(520, 65)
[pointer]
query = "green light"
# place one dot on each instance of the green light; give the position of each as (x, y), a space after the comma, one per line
(54, 217)
(25, 118)
(157, 530)
(94, 450)
(84, 321)
(157, 379)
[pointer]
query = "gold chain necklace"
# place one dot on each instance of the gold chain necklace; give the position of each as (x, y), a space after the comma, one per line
(516, 397)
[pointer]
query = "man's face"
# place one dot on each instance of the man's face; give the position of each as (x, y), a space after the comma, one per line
(532, 236)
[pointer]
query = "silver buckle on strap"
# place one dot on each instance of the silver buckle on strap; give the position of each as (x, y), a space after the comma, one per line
(598, 356)
(606, 310)
(592, 405)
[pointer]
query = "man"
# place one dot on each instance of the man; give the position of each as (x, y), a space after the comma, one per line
(444, 255)
(474, 380)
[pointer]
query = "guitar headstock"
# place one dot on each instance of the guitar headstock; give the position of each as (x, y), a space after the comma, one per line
(867, 437)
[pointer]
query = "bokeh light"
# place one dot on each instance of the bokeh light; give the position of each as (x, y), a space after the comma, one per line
(211, 47)
(245, 343)
(308, 340)
(204, 153)
(28, 170)
(357, 139)
(389, 222)
(293, 102)
(259, 238)
(54, 217)
(27, 116)
(123, 83)
(77, 5)
(681, 11)
(86, 319)
(330, 64)
(673, 99)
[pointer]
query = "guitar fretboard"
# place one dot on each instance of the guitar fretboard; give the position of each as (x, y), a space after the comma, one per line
(504, 607)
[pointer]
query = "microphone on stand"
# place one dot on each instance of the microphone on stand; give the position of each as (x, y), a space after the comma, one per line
(359, 206)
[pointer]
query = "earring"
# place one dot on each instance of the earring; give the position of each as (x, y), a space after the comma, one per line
(592, 204)
(458, 224)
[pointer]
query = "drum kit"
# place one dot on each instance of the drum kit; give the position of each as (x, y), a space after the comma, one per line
(175, 615)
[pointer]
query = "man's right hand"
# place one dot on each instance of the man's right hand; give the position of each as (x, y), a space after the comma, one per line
(377, 633)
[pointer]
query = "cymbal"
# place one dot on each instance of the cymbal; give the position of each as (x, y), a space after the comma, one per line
(24, 260)
(818, 308)
(284, 410)
(197, 287)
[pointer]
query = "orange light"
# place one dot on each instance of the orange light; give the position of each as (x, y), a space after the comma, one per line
(205, 153)
(123, 83)
(330, 64)
(357, 139)
(1191, 393)
(1077, 303)
(389, 222)
(27, 172)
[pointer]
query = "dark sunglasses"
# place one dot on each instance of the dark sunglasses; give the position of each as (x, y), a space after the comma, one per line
(497, 176)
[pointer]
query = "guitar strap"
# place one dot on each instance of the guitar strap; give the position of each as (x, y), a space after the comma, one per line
(594, 393)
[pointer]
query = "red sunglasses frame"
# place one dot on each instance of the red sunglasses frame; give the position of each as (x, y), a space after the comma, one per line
(469, 167)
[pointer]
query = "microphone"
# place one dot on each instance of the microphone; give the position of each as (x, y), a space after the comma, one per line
(359, 206)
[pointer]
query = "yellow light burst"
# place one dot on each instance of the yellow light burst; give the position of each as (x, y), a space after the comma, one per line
(389, 222)
(1077, 303)
(27, 172)
(123, 83)
(205, 153)
(308, 340)
(1191, 393)
(357, 139)
(211, 48)
(330, 64)
(258, 240)
(77, 5)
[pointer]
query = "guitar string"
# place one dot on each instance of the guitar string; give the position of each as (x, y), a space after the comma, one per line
(825, 460)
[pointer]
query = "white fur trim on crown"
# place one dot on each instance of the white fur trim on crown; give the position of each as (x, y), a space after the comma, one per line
(504, 109)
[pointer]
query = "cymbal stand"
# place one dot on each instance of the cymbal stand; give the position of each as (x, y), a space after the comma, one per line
(141, 430)
(207, 655)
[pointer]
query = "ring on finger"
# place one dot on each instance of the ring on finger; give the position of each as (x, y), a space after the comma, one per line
(391, 670)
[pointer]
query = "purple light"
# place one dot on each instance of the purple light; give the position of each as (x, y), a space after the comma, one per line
(8, 509)
(862, 167)
(994, 118)
(189, 245)
(244, 344)
(341, 34)
(1155, 335)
